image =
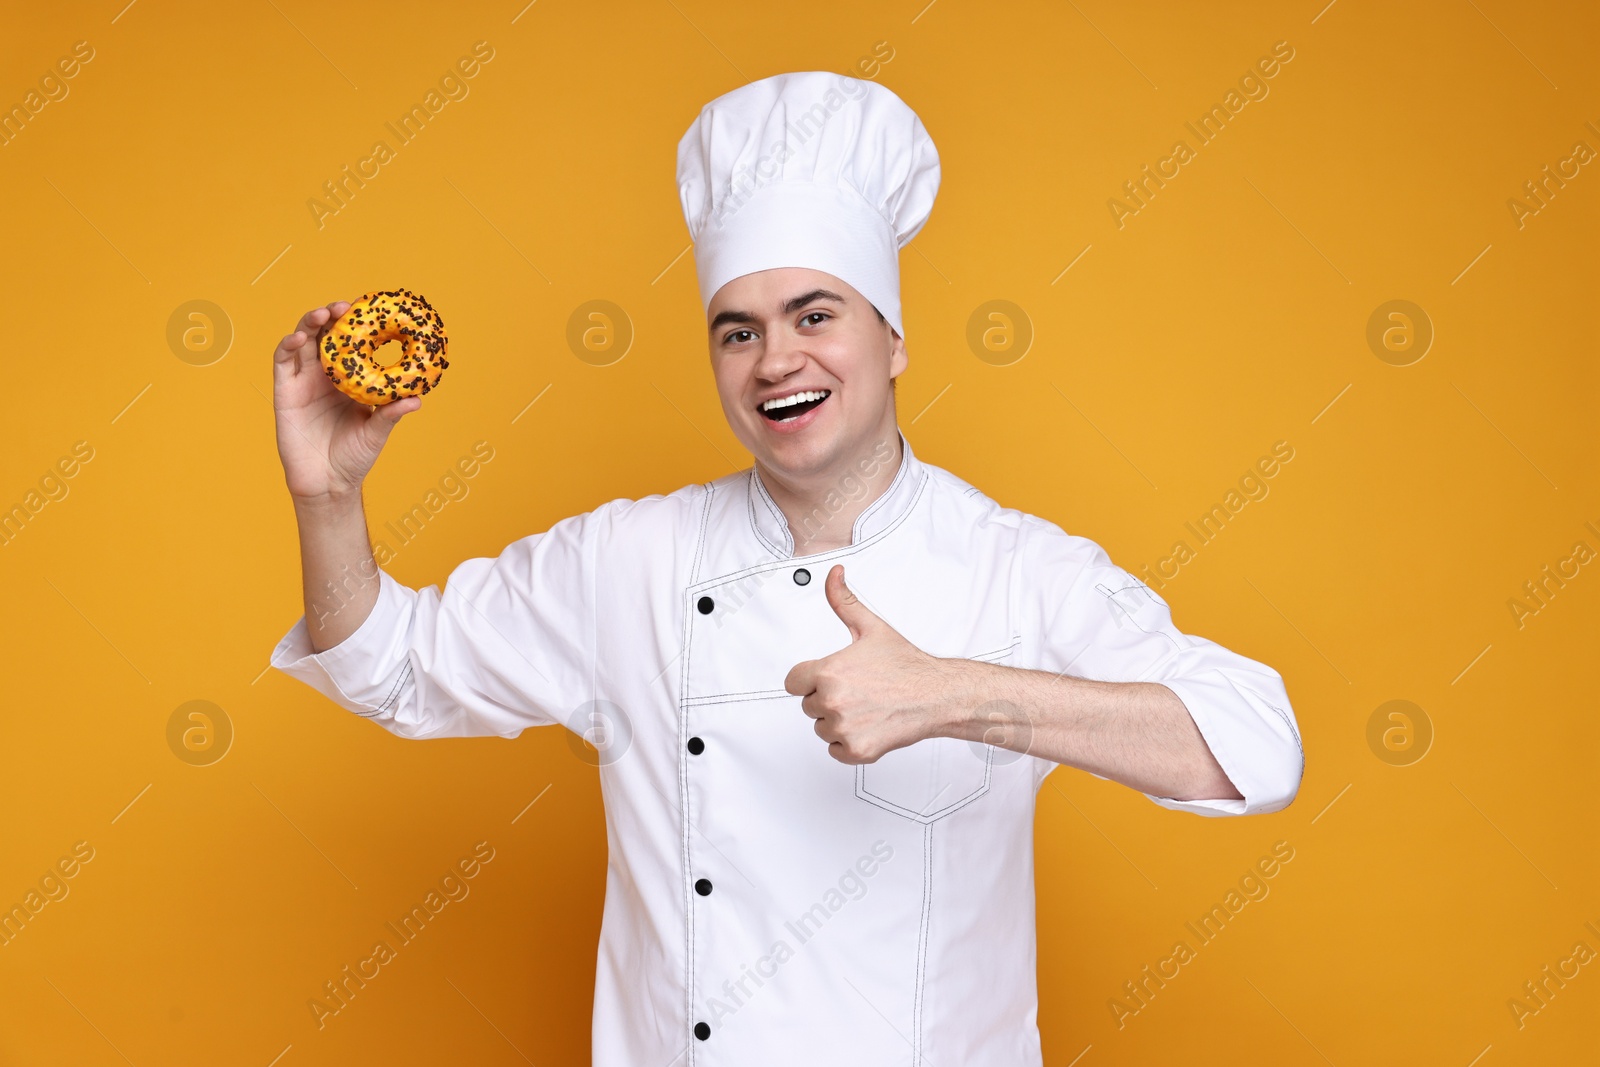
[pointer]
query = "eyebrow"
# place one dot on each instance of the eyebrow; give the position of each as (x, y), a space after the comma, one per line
(791, 305)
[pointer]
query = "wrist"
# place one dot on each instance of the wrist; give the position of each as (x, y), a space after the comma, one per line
(327, 503)
(967, 686)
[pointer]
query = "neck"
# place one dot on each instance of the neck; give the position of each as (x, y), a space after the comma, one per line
(822, 509)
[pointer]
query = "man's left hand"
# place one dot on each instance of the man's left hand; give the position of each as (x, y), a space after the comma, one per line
(877, 694)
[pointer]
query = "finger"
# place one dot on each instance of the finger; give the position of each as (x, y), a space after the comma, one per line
(852, 612)
(801, 679)
(300, 347)
(335, 310)
(289, 347)
(845, 755)
(305, 333)
(314, 320)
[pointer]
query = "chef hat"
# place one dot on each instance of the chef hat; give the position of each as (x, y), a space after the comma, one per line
(807, 169)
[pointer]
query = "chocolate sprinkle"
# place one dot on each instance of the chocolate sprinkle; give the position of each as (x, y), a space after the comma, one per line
(400, 315)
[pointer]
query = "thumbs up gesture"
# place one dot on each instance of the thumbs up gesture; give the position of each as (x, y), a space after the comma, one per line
(875, 695)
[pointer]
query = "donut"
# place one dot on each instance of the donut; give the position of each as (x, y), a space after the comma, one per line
(351, 344)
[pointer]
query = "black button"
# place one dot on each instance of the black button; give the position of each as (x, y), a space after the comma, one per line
(696, 746)
(705, 605)
(702, 1031)
(703, 887)
(802, 577)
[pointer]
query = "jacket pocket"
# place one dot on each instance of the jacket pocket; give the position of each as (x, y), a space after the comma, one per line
(932, 778)
(928, 780)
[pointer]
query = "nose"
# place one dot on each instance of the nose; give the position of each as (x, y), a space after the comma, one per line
(782, 353)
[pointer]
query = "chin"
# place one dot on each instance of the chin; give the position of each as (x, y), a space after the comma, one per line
(801, 454)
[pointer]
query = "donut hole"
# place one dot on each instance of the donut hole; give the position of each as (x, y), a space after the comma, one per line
(388, 354)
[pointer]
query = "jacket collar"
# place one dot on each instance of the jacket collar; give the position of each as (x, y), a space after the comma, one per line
(772, 528)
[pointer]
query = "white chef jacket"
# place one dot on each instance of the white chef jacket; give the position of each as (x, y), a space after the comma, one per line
(804, 910)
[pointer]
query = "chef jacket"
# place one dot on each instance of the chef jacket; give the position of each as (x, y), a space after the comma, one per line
(766, 903)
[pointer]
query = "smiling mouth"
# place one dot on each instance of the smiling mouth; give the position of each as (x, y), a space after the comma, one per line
(792, 407)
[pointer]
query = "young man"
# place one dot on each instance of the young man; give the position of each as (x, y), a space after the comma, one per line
(831, 684)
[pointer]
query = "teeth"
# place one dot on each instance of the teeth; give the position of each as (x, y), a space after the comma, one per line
(798, 398)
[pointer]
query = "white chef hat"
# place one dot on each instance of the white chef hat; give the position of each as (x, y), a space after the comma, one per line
(807, 169)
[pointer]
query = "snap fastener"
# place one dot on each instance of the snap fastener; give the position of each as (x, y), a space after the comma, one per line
(702, 1031)
(705, 605)
(703, 887)
(696, 746)
(802, 577)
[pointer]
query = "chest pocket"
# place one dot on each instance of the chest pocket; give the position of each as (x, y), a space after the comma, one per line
(928, 780)
(933, 778)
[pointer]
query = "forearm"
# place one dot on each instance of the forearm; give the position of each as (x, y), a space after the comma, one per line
(1137, 733)
(339, 576)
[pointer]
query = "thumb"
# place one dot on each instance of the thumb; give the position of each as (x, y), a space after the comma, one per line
(385, 417)
(389, 414)
(851, 611)
(393, 411)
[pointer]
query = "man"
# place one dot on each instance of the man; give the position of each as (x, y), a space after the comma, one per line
(819, 789)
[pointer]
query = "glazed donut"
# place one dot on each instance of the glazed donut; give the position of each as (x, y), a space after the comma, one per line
(351, 344)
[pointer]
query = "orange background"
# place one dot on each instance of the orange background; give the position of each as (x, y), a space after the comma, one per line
(1229, 313)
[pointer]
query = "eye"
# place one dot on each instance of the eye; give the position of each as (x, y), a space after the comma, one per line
(809, 314)
(730, 337)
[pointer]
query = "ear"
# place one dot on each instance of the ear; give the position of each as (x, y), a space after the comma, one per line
(898, 358)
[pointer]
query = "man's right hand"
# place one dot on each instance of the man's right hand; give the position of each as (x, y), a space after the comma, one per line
(327, 441)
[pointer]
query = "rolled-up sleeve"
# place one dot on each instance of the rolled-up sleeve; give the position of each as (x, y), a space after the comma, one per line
(1098, 621)
(507, 644)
